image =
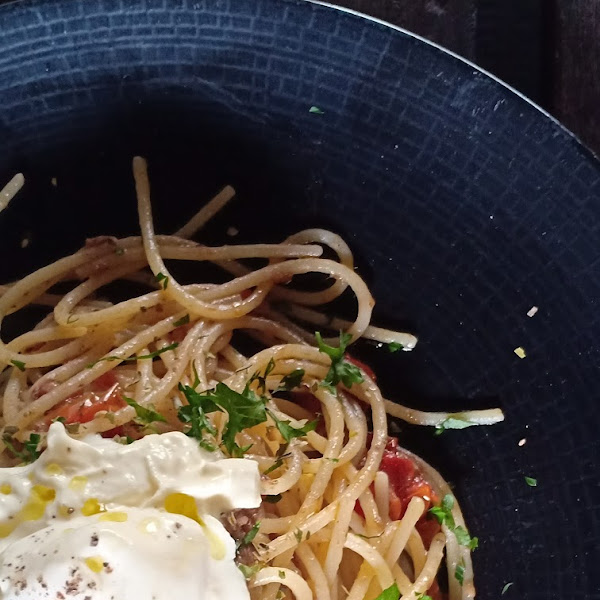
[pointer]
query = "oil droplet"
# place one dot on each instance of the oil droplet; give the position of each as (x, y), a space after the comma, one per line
(78, 483)
(182, 504)
(94, 563)
(5, 489)
(92, 507)
(118, 517)
(54, 469)
(36, 506)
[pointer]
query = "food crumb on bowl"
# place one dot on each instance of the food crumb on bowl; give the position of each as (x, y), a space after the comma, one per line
(520, 352)
(522, 442)
(531, 312)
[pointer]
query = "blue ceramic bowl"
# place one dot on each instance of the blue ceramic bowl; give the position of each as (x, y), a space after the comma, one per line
(465, 204)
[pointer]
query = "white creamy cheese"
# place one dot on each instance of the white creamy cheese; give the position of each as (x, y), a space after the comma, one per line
(93, 519)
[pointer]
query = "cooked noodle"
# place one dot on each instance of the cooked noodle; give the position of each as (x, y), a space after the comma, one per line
(313, 541)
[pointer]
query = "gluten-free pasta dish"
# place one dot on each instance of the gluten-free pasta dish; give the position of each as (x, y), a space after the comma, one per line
(213, 439)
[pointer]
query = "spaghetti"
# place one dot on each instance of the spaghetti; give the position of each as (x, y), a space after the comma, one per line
(346, 512)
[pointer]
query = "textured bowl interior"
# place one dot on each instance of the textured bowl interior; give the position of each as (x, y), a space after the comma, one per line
(465, 205)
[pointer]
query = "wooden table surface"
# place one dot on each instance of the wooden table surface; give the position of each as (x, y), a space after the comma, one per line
(547, 49)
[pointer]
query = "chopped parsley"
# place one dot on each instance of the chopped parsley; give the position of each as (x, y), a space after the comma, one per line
(150, 356)
(395, 346)
(262, 379)
(194, 413)
(19, 364)
(249, 537)
(278, 463)
(30, 451)
(315, 110)
(163, 280)
(454, 421)
(459, 572)
(341, 370)
(291, 380)
(443, 514)
(531, 482)
(183, 321)
(144, 416)
(298, 535)
(391, 593)
(506, 586)
(249, 571)
(244, 410)
(288, 432)
(423, 597)
(281, 574)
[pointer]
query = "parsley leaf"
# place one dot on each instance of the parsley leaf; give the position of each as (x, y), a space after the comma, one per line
(298, 535)
(262, 379)
(315, 110)
(194, 413)
(289, 432)
(341, 370)
(30, 451)
(531, 482)
(144, 416)
(274, 466)
(459, 573)
(163, 280)
(183, 321)
(291, 380)
(19, 364)
(243, 410)
(443, 514)
(249, 537)
(455, 421)
(464, 539)
(150, 356)
(505, 588)
(395, 346)
(423, 597)
(391, 593)
(249, 571)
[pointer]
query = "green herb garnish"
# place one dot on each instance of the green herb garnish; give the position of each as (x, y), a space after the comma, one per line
(249, 537)
(288, 432)
(455, 421)
(505, 588)
(395, 346)
(163, 280)
(443, 514)
(19, 364)
(459, 573)
(30, 451)
(531, 482)
(249, 571)
(144, 416)
(315, 110)
(183, 321)
(341, 370)
(150, 356)
(291, 380)
(391, 593)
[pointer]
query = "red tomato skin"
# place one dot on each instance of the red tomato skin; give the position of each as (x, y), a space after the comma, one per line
(102, 394)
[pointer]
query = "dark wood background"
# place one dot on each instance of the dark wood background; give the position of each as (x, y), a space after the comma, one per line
(547, 49)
